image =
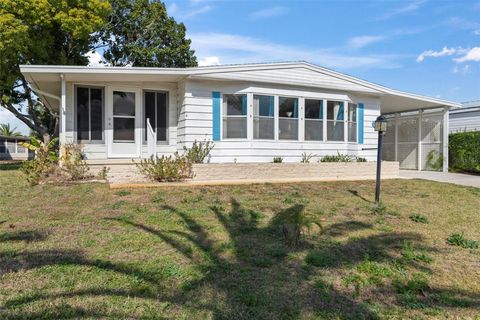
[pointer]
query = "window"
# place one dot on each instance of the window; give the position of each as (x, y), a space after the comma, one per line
(2, 146)
(313, 120)
(263, 117)
(123, 116)
(234, 116)
(288, 118)
(89, 114)
(352, 122)
(335, 121)
(156, 111)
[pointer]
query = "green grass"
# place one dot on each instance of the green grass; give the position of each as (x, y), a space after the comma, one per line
(458, 239)
(85, 251)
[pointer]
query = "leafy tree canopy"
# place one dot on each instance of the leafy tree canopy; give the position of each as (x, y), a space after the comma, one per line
(43, 32)
(6, 130)
(140, 33)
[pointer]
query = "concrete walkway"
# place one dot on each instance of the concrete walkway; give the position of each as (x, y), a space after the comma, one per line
(456, 178)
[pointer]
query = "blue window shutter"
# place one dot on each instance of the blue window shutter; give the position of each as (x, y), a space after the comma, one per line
(271, 106)
(244, 105)
(216, 116)
(295, 108)
(361, 122)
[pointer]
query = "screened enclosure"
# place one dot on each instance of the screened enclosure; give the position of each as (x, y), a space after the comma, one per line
(417, 140)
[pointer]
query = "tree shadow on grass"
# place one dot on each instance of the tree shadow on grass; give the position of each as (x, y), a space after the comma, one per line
(254, 278)
(23, 235)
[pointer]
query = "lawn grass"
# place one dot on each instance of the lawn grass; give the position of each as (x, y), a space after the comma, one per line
(86, 251)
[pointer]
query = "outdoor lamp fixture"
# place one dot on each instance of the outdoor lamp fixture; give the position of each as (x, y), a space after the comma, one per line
(380, 125)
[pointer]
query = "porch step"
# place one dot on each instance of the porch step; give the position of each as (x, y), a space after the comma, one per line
(120, 172)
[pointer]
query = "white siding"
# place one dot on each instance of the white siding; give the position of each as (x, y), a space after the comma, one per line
(300, 76)
(196, 124)
(464, 121)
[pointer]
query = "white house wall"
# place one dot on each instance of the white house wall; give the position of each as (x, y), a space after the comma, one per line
(467, 120)
(196, 124)
(99, 150)
(301, 76)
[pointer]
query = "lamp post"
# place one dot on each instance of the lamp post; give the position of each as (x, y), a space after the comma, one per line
(380, 126)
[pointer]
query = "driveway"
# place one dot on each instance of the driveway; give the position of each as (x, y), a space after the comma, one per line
(457, 178)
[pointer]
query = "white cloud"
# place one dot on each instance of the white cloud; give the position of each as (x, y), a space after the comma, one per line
(209, 61)
(471, 55)
(410, 7)
(362, 41)
(269, 12)
(230, 48)
(94, 59)
(195, 12)
(444, 52)
(461, 70)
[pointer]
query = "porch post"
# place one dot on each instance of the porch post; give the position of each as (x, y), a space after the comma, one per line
(395, 121)
(446, 130)
(62, 115)
(419, 148)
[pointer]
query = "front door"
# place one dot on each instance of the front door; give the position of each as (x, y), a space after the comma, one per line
(124, 123)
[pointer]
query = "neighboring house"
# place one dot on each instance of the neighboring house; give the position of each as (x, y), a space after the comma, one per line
(252, 112)
(10, 149)
(466, 118)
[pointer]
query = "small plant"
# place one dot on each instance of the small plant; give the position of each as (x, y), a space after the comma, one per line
(122, 193)
(103, 173)
(458, 239)
(307, 157)
(43, 164)
(338, 158)
(277, 160)
(199, 151)
(295, 223)
(361, 159)
(418, 218)
(166, 168)
(73, 163)
(434, 160)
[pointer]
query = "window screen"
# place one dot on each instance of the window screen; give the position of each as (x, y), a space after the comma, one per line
(89, 104)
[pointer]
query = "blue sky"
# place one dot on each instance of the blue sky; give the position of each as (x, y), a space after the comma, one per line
(429, 47)
(426, 47)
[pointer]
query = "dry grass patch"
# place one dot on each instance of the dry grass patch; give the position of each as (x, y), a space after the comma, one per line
(214, 252)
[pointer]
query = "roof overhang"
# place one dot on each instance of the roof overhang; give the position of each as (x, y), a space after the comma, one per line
(46, 80)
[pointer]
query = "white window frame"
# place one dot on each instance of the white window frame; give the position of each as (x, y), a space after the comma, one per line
(275, 129)
(319, 120)
(246, 116)
(277, 120)
(345, 125)
(356, 121)
(75, 107)
(167, 137)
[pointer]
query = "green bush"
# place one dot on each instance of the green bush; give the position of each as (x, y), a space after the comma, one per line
(342, 158)
(199, 151)
(277, 160)
(307, 157)
(464, 151)
(73, 163)
(166, 168)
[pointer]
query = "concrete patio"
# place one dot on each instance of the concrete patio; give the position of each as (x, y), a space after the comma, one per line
(456, 178)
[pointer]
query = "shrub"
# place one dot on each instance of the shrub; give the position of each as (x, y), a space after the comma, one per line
(464, 151)
(199, 151)
(73, 163)
(39, 168)
(418, 218)
(166, 168)
(277, 160)
(342, 158)
(103, 173)
(434, 161)
(458, 239)
(306, 157)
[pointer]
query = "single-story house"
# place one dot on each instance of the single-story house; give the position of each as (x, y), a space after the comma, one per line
(466, 118)
(252, 112)
(10, 149)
